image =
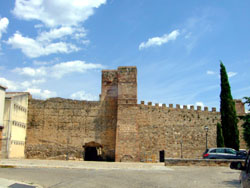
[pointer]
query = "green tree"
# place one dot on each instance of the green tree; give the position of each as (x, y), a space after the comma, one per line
(228, 113)
(220, 139)
(246, 124)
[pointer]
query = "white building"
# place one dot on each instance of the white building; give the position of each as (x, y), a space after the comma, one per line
(15, 124)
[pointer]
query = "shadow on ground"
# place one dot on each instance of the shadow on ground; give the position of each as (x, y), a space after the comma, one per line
(18, 185)
(232, 183)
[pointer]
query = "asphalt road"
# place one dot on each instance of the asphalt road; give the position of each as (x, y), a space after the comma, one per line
(180, 177)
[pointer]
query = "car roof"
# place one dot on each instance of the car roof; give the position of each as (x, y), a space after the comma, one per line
(220, 148)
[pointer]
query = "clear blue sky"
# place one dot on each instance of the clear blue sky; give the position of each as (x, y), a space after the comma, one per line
(58, 48)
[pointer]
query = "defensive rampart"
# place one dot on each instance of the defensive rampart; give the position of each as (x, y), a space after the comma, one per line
(117, 127)
(178, 132)
(60, 127)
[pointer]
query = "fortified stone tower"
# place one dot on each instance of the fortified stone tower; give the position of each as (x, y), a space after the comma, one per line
(119, 104)
(127, 141)
(108, 117)
(239, 106)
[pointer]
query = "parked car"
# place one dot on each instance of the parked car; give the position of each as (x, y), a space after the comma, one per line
(243, 152)
(245, 171)
(223, 153)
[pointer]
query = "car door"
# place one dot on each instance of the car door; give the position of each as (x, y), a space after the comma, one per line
(220, 152)
(245, 176)
(212, 154)
(230, 153)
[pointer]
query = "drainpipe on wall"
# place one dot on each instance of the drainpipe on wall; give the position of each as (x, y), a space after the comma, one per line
(9, 132)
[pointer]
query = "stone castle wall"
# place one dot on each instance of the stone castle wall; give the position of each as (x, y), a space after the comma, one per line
(127, 131)
(179, 132)
(59, 127)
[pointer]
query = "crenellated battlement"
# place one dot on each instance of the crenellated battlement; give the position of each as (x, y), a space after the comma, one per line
(177, 107)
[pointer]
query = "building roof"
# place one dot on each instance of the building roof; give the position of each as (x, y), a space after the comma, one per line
(3, 87)
(15, 94)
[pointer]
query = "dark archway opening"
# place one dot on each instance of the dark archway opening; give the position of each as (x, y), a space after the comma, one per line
(91, 154)
(92, 151)
(162, 156)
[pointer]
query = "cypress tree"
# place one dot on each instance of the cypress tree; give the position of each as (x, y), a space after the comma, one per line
(228, 113)
(220, 139)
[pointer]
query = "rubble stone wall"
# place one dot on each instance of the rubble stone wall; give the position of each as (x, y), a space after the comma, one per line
(179, 132)
(127, 139)
(59, 127)
(127, 131)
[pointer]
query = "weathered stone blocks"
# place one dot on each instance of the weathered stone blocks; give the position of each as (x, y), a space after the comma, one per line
(127, 131)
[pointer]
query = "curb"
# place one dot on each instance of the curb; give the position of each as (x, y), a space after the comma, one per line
(200, 162)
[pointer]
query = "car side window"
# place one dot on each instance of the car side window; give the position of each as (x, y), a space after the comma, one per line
(213, 151)
(230, 151)
(220, 150)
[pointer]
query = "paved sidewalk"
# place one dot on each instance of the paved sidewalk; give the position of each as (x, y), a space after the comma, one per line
(26, 163)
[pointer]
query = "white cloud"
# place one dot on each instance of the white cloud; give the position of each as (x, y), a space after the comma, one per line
(76, 33)
(55, 34)
(61, 69)
(158, 41)
(28, 71)
(9, 84)
(209, 72)
(55, 13)
(18, 86)
(80, 33)
(39, 93)
(4, 22)
(58, 70)
(28, 86)
(231, 74)
(33, 48)
(63, 18)
(82, 95)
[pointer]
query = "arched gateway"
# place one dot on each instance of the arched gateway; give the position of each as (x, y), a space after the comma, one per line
(92, 151)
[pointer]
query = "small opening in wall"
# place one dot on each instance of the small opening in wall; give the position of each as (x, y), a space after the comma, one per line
(91, 154)
(162, 156)
(126, 101)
